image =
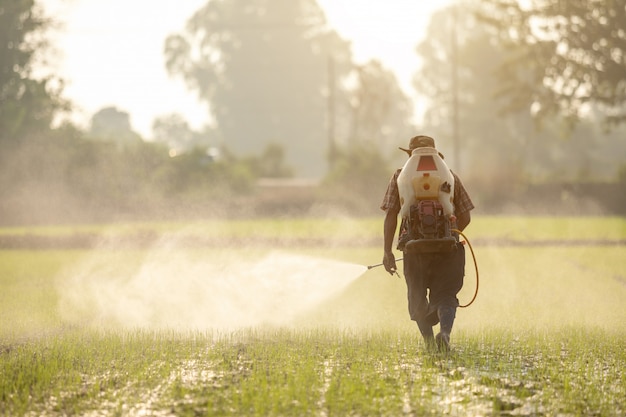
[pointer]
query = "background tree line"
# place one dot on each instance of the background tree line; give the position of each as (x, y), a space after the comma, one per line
(522, 124)
(537, 90)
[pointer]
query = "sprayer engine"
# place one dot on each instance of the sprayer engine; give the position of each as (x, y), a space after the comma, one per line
(429, 229)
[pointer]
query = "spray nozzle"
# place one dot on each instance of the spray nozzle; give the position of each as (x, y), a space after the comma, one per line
(381, 264)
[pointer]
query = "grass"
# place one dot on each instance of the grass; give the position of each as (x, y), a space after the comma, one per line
(482, 227)
(549, 228)
(546, 336)
(296, 372)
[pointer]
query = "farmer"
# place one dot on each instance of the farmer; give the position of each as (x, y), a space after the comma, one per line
(433, 279)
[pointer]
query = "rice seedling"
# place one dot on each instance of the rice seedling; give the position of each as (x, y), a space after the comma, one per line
(113, 332)
(304, 372)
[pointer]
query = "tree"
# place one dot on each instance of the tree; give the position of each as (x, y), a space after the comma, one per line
(486, 136)
(563, 55)
(380, 111)
(261, 65)
(27, 104)
(271, 163)
(358, 180)
(501, 151)
(174, 131)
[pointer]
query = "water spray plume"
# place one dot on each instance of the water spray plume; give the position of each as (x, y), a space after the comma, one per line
(170, 288)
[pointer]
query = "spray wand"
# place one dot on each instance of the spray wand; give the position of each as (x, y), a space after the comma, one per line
(377, 265)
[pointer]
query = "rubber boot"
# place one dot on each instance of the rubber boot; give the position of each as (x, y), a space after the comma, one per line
(446, 320)
(427, 333)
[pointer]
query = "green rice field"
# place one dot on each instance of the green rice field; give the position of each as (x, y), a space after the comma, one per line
(282, 318)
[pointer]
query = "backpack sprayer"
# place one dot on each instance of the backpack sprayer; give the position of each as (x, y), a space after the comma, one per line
(426, 188)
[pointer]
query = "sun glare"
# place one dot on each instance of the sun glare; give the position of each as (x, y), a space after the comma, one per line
(385, 30)
(94, 47)
(379, 29)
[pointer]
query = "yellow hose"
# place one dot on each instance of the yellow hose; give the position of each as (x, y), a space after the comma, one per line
(475, 267)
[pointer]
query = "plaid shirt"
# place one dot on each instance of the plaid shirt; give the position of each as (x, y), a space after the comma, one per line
(462, 201)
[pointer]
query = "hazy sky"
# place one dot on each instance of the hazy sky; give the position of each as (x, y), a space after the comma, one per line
(110, 52)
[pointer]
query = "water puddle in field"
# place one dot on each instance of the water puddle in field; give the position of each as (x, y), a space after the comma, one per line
(173, 289)
(461, 392)
(452, 390)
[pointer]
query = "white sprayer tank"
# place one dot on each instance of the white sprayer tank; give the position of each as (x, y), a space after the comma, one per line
(425, 176)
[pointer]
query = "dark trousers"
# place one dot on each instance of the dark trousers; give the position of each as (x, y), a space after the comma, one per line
(433, 281)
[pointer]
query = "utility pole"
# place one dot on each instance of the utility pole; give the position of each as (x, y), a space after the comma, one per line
(330, 117)
(455, 90)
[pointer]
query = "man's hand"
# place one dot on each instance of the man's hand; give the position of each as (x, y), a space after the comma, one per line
(389, 262)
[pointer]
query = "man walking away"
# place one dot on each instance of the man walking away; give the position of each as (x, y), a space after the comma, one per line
(433, 279)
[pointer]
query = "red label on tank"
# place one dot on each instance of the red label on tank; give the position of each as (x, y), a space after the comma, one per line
(426, 163)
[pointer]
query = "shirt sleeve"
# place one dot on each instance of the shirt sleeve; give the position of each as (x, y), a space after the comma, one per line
(462, 201)
(391, 200)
